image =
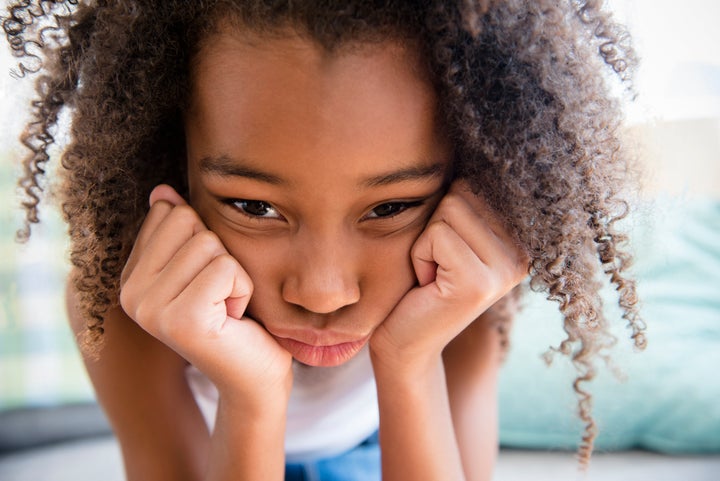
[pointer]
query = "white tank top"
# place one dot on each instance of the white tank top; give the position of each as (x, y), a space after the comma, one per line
(331, 409)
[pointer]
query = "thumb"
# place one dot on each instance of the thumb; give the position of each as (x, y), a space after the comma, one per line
(239, 297)
(166, 193)
(422, 258)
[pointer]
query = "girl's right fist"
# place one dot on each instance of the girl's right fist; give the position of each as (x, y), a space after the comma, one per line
(182, 286)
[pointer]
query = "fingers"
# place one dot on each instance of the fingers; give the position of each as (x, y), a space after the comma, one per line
(163, 199)
(223, 284)
(167, 226)
(162, 285)
(199, 309)
(465, 256)
(182, 286)
(455, 266)
(170, 234)
(456, 286)
(465, 260)
(478, 226)
(178, 265)
(166, 193)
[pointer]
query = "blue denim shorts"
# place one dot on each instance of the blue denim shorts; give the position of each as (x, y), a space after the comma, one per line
(361, 463)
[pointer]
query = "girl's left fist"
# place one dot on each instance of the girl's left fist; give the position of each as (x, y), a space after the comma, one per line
(465, 261)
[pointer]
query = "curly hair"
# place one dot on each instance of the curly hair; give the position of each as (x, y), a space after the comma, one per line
(521, 90)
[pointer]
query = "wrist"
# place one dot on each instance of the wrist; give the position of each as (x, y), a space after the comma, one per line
(260, 399)
(250, 413)
(248, 439)
(398, 367)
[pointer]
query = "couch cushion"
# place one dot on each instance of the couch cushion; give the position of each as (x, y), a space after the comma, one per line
(669, 401)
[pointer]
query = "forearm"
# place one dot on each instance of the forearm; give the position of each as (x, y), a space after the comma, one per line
(475, 417)
(472, 363)
(248, 445)
(417, 438)
(142, 388)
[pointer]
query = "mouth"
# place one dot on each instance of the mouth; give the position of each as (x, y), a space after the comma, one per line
(320, 354)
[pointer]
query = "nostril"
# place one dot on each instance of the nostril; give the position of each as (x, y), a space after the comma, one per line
(319, 298)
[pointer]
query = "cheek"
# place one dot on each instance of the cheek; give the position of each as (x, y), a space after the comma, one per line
(261, 258)
(265, 265)
(264, 261)
(381, 268)
(388, 273)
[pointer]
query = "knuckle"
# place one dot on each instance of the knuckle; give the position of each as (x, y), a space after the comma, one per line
(127, 299)
(436, 229)
(478, 291)
(516, 268)
(207, 241)
(466, 207)
(124, 276)
(446, 207)
(145, 314)
(416, 248)
(225, 263)
(130, 297)
(170, 329)
(247, 283)
(452, 201)
(522, 265)
(185, 211)
(159, 209)
(185, 215)
(433, 231)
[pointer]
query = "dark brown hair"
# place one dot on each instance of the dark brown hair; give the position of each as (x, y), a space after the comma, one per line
(521, 89)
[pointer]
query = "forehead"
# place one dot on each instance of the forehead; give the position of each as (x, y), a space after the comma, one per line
(290, 66)
(282, 97)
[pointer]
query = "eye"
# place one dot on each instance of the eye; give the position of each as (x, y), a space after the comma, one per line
(256, 208)
(390, 209)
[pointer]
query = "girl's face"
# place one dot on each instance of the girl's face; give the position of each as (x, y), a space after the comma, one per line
(317, 171)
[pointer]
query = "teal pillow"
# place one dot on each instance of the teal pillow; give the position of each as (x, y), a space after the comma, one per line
(670, 400)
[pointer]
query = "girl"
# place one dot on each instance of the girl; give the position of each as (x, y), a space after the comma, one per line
(343, 198)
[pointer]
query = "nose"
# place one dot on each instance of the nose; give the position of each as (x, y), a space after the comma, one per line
(323, 277)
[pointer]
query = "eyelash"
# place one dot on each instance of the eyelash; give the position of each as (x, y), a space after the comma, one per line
(402, 207)
(236, 204)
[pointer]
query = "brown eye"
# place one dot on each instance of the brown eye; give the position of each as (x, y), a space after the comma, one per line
(256, 208)
(390, 209)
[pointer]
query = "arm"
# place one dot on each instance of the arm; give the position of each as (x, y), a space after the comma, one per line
(248, 444)
(444, 413)
(183, 298)
(141, 386)
(416, 432)
(472, 364)
(432, 362)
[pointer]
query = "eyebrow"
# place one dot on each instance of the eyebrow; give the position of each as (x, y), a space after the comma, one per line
(226, 166)
(405, 175)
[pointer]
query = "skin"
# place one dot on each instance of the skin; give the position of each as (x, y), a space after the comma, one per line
(319, 221)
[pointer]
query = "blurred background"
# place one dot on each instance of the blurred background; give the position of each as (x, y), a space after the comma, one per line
(668, 403)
